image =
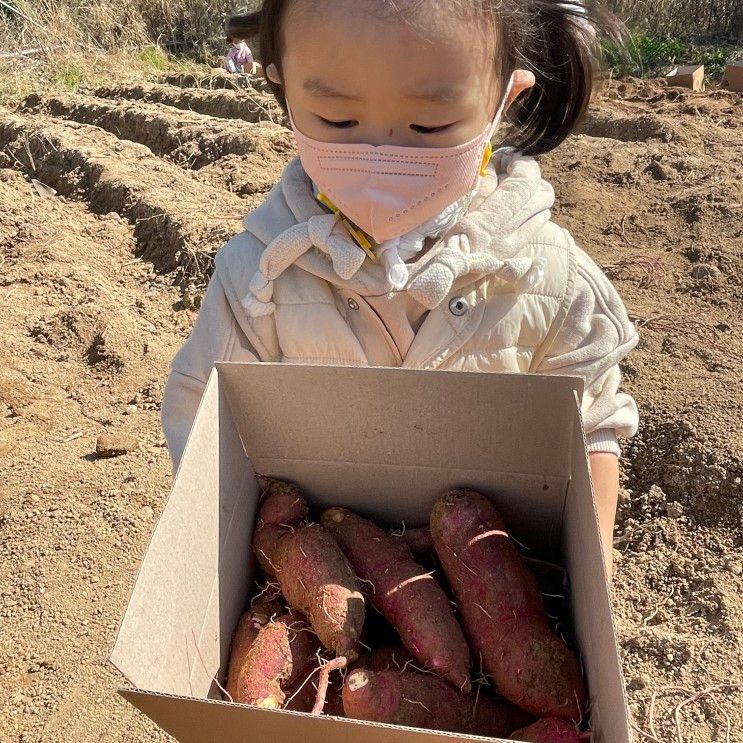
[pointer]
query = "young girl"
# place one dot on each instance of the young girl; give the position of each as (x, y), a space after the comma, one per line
(395, 239)
(239, 58)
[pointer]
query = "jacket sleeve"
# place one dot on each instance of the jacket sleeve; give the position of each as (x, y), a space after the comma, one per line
(594, 337)
(216, 336)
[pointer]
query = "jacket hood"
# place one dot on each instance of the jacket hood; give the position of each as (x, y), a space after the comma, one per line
(512, 204)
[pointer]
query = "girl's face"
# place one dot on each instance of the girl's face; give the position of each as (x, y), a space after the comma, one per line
(354, 76)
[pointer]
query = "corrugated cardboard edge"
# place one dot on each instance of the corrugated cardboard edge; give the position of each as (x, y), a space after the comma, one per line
(238, 723)
(112, 656)
(120, 657)
(606, 593)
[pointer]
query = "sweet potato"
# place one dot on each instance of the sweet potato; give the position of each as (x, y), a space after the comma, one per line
(549, 730)
(283, 504)
(277, 656)
(426, 701)
(418, 539)
(259, 615)
(405, 594)
(314, 575)
(389, 658)
(502, 609)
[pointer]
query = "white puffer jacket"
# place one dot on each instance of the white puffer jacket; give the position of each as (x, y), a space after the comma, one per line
(504, 290)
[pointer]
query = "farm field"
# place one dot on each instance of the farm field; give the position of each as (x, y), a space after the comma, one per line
(113, 201)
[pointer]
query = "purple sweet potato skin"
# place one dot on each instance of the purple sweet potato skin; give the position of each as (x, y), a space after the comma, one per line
(278, 655)
(389, 658)
(314, 574)
(425, 701)
(405, 594)
(283, 505)
(418, 539)
(502, 609)
(496, 718)
(551, 730)
(316, 578)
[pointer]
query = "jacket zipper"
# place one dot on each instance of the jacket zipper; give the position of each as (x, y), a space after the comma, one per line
(383, 328)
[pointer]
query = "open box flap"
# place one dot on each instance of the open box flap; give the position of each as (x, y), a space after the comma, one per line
(352, 414)
(340, 425)
(203, 721)
(180, 609)
(590, 589)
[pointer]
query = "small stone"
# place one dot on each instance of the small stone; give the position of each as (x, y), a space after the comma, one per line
(624, 496)
(734, 566)
(674, 510)
(707, 272)
(638, 682)
(130, 410)
(656, 495)
(146, 512)
(115, 445)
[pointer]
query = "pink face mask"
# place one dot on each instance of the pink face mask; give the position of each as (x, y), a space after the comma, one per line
(388, 191)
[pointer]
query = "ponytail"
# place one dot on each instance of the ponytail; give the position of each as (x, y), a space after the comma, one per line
(559, 45)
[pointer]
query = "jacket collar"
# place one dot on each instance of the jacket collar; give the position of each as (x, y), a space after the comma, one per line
(512, 205)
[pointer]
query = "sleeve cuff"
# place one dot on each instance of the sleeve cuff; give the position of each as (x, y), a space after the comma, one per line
(603, 440)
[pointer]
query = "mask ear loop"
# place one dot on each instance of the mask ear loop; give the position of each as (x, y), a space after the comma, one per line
(499, 112)
(488, 154)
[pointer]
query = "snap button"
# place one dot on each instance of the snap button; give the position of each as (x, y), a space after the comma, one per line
(352, 303)
(458, 306)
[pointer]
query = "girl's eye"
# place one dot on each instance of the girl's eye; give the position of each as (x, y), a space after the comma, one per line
(338, 124)
(429, 129)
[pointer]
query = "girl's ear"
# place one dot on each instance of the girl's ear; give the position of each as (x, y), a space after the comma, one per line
(522, 80)
(272, 73)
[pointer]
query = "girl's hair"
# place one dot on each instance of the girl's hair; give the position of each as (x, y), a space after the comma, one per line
(557, 40)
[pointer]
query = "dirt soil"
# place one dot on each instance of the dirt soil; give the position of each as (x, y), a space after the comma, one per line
(106, 238)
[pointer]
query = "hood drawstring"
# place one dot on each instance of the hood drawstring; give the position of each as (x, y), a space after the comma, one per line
(430, 287)
(434, 283)
(324, 232)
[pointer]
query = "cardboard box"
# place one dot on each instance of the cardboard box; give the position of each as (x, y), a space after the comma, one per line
(687, 76)
(732, 79)
(388, 443)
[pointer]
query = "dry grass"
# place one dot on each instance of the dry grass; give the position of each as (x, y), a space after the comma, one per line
(683, 18)
(93, 41)
(78, 43)
(193, 27)
(70, 70)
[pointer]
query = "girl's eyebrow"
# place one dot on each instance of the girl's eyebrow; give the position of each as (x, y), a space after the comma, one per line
(321, 89)
(444, 93)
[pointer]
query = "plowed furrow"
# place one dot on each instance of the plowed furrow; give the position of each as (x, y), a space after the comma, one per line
(190, 139)
(219, 80)
(178, 221)
(247, 105)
